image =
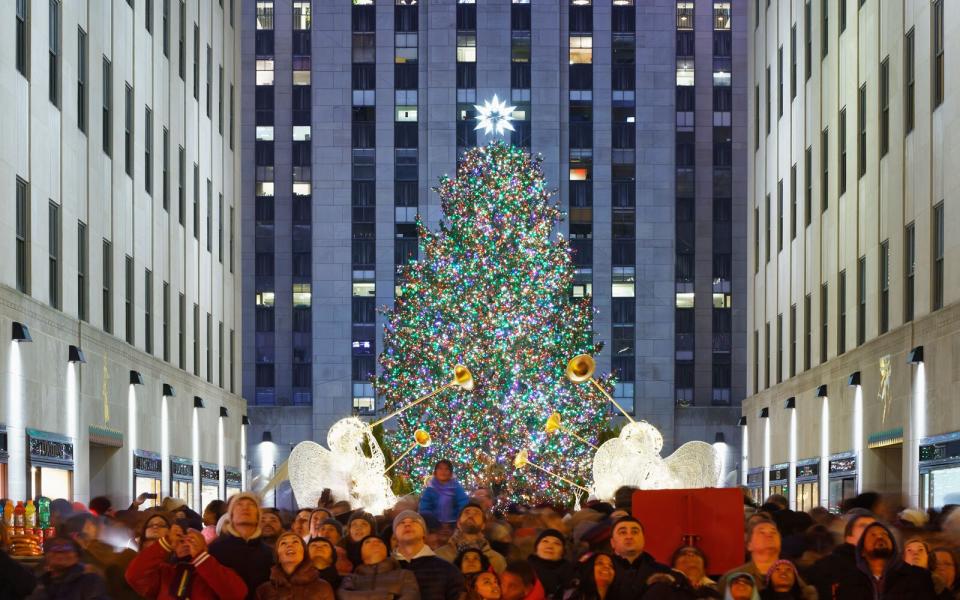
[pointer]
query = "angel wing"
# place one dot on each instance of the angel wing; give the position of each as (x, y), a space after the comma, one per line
(694, 465)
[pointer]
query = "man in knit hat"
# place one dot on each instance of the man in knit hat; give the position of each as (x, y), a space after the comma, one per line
(437, 578)
(240, 546)
(469, 534)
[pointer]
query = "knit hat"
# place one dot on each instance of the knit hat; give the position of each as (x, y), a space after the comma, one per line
(774, 566)
(171, 504)
(335, 523)
(243, 496)
(365, 516)
(409, 514)
(549, 533)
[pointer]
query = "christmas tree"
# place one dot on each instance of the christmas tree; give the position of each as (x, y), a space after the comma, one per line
(492, 291)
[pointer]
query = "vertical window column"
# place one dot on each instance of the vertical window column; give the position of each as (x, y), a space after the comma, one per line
(466, 75)
(520, 76)
(302, 235)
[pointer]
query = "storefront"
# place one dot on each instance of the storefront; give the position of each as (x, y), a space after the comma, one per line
(147, 467)
(209, 484)
(51, 465)
(940, 470)
(842, 479)
(780, 480)
(181, 480)
(234, 481)
(808, 484)
(755, 484)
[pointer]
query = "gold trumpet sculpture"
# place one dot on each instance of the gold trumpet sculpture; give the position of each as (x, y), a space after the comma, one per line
(580, 369)
(522, 460)
(553, 424)
(462, 379)
(421, 437)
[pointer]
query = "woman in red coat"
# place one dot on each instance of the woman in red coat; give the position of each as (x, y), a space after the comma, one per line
(178, 566)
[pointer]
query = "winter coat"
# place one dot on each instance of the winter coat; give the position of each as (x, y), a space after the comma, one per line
(437, 579)
(630, 580)
(834, 569)
(809, 592)
(75, 584)
(152, 575)
(444, 501)
(899, 580)
(554, 575)
(382, 581)
(112, 565)
(457, 544)
(303, 584)
(16, 581)
(251, 559)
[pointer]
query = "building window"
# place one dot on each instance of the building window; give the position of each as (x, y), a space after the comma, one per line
(181, 185)
(756, 118)
(196, 201)
(842, 152)
(128, 130)
(808, 186)
(107, 287)
(756, 360)
(909, 71)
(937, 10)
(824, 307)
(842, 312)
(182, 333)
(23, 47)
(756, 240)
(265, 15)
(166, 28)
(165, 330)
(793, 61)
(209, 216)
(209, 340)
(166, 169)
(220, 229)
(148, 150)
(196, 340)
(793, 201)
(842, 11)
(824, 28)
(780, 216)
(938, 256)
(220, 100)
(779, 348)
(182, 40)
(581, 49)
(196, 62)
(884, 107)
(232, 351)
(862, 132)
(209, 89)
(148, 15)
(861, 300)
(54, 72)
(23, 236)
(909, 270)
(82, 80)
(769, 92)
(301, 16)
(54, 250)
(780, 81)
(107, 106)
(807, 331)
(231, 239)
(148, 311)
(807, 41)
(884, 286)
(82, 250)
(220, 354)
(766, 354)
(129, 326)
(825, 169)
(766, 243)
(793, 340)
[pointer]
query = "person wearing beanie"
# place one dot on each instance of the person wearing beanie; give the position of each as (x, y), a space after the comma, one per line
(469, 534)
(782, 582)
(378, 576)
(64, 576)
(840, 564)
(239, 546)
(323, 556)
(359, 526)
(763, 545)
(180, 566)
(742, 586)
(692, 562)
(437, 578)
(549, 561)
(332, 530)
(443, 497)
(293, 576)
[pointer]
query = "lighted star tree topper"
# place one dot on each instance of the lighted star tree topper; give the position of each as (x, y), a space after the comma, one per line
(491, 291)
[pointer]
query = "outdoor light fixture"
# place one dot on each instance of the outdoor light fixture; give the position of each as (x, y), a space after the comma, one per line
(75, 355)
(742, 422)
(169, 391)
(915, 356)
(135, 378)
(822, 391)
(21, 333)
(197, 402)
(791, 402)
(719, 438)
(765, 412)
(267, 437)
(245, 420)
(223, 411)
(854, 379)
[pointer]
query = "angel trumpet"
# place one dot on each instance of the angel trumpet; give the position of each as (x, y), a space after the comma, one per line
(462, 380)
(580, 369)
(522, 459)
(554, 424)
(421, 437)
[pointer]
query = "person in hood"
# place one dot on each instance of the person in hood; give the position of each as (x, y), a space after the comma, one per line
(841, 563)
(469, 534)
(741, 586)
(379, 577)
(323, 556)
(881, 573)
(595, 575)
(763, 545)
(293, 576)
(519, 582)
(782, 582)
(239, 546)
(549, 561)
(179, 566)
(359, 526)
(633, 566)
(443, 498)
(437, 578)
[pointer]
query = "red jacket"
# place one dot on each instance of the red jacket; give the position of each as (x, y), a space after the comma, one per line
(151, 575)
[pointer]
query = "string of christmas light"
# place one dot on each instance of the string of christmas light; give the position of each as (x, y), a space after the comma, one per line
(492, 291)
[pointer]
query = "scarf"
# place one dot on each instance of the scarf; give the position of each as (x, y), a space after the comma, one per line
(182, 583)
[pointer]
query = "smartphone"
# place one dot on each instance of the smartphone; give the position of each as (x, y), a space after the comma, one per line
(150, 496)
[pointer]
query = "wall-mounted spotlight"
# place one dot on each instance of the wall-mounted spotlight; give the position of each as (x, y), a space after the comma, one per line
(915, 356)
(267, 437)
(198, 402)
(135, 378)
(169, 390)
(822, 391)
(21, 333)
(75, 355)
(854, 379)
(765, 412)
(719, 438)
(742, 422)
(791, 402)
(223, 412)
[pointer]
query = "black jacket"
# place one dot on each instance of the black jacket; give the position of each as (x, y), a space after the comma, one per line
(438, 579)
(630, 580)
(251, 559)
(554, 575)
(16, 581)
(899, 580)
(75, 584)
(832, 570)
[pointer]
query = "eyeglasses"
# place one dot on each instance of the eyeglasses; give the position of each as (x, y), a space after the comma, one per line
(157, 526)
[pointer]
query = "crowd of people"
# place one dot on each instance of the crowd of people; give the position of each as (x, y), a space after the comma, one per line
(451, 545)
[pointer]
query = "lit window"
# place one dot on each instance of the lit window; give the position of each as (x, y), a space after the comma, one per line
(578, 174)
(721, 16)
(301, 133)
(363, 2)
(582, 290)
(684, 15)
(722, 301)
(364, 288)
(301, 78)
(265, 15)
(265, 72)
(685, 71)
(467, 48)
(301, 294)
(264, 133)
(581, 49)
(406, 114)
(623, 282)
(301, 15)
(301, 188)
(519, 115)
(264, 188)
(684, 299)
(265, 298)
